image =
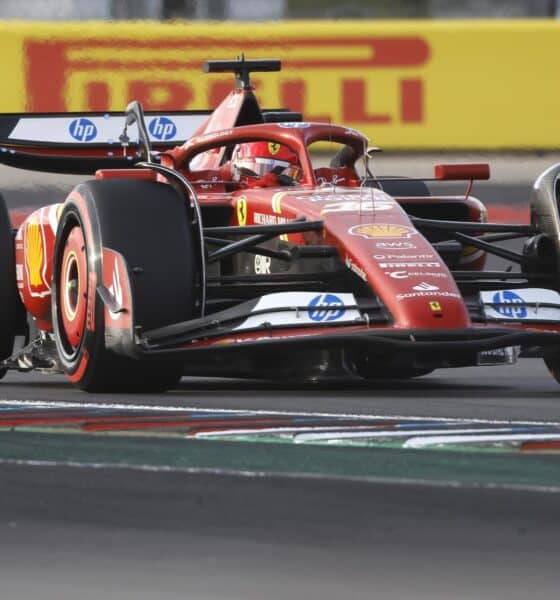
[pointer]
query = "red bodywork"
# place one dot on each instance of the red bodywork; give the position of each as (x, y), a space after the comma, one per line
(377, 242)
(363, 223)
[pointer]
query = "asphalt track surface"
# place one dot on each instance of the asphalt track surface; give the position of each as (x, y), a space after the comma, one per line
(70, 531)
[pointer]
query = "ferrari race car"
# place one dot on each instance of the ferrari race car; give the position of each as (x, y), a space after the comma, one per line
(211, 244)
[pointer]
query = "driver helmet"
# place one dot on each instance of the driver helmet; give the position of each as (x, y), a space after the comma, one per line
(265, 157)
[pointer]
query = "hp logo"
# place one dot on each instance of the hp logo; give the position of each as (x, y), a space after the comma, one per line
(326, 307)
(162, 128)
(82, 130)
(512, 310)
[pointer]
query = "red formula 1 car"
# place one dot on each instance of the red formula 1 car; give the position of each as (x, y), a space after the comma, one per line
(232, 254)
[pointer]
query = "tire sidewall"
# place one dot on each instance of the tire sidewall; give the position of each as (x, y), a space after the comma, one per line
(79, 364)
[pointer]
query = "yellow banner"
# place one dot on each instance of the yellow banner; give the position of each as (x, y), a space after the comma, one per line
(406, 84)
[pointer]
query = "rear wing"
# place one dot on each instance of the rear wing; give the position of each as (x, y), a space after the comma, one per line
(82, 143)
(92, 131)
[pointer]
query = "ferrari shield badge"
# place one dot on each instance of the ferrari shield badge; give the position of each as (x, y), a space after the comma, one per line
(242, 210)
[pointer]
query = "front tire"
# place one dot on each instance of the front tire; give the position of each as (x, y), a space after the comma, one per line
(146, 222)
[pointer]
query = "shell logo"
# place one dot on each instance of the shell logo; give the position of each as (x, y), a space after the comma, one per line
(372, 231)
(34, 255)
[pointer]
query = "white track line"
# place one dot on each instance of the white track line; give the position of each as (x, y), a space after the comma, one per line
(543, 489)
(221, 410)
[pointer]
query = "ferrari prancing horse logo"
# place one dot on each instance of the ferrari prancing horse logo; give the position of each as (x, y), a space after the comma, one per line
(273, 148)
(242, 210)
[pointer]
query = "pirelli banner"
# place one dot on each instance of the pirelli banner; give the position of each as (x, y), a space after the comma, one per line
(407, 84)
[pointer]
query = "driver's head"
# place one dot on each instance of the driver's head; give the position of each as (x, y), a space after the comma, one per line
(260, 158)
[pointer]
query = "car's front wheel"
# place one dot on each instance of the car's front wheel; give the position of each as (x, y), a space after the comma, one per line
(146, 223)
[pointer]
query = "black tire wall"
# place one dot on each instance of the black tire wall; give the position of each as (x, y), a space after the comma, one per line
(8, 284)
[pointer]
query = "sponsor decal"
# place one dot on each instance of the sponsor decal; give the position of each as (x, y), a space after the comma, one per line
(296, 125)
(34, 255)
(395, 245)
(522, 304)
(306, 308)
(350, 264)
(35, 260)
(262, 264)
(19, 276)
(407, 274)
(241, 210)
(82, 130)
(208, 137)
(108, 128)
(512, 300)
(116, 291)
(401, 265)
(425, 287)
(162, 128)
(423, 294)
(357, 206)
(347, 196)
(264, 219)
(372, 231)
(334, 180)
(326, 307)
(434, 306)
(274, 148)
(276, 202)
(112, 74)
(403, 256)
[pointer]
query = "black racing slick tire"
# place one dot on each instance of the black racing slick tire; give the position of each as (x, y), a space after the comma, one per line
(145, 222)
(8, 285)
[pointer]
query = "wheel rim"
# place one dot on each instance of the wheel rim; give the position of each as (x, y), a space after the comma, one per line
(72, 290)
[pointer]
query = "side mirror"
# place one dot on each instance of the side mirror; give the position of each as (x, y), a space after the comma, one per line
(373, 150)
(134, 113)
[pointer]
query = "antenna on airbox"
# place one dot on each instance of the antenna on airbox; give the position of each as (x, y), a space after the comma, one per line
(242, 68)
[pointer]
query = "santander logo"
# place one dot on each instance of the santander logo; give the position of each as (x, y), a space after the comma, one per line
(425, 287)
